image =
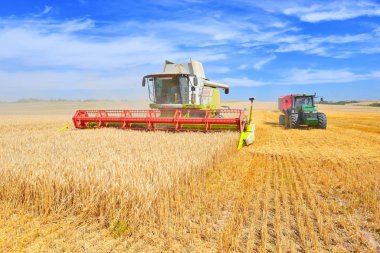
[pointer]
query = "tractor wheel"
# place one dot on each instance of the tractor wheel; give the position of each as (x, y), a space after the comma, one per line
(294, 122)
(287, 122)
(281, 120)
(322, 121)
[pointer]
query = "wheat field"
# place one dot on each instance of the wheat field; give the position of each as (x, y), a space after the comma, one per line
(305, 190)
(104, 173)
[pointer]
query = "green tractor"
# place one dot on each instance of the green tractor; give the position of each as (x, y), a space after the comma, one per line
(299, 110)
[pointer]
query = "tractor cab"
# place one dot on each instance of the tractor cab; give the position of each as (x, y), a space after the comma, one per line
(304, 103)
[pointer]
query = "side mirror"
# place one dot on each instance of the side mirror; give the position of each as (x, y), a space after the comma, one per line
(193, 98)
(195, 81)
(143, 82)
(226, 90)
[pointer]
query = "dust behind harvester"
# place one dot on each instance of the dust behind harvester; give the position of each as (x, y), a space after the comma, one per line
(182, 99)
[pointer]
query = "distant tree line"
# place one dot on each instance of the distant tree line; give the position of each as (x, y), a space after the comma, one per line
(338, 102)
(377, 104)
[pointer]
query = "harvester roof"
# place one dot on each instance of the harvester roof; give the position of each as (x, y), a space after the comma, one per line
(193, 67)
(167, 74)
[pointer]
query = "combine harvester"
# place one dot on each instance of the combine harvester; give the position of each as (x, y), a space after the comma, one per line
(183, 99)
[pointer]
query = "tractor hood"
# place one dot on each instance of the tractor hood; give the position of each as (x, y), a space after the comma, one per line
(308, 108)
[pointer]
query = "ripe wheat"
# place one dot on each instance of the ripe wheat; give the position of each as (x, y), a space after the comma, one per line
(292, 191)
(105, 173)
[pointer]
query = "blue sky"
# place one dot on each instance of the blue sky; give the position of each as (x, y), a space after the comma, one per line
(83, 49)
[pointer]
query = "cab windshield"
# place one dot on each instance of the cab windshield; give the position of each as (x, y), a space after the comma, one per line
(169, 89)
(299, 101)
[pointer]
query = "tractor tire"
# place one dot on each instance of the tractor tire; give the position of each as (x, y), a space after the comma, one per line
(322, 121)
(281, 120)
(287, 121)
(294, 121)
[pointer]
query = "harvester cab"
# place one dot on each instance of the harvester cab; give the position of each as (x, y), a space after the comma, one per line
(183, 86)
(183, 100)
(300, 109)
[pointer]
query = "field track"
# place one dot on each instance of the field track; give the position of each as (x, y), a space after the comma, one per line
(306, 190)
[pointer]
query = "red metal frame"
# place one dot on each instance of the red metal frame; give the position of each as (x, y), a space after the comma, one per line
(159, 119)
(284, 103)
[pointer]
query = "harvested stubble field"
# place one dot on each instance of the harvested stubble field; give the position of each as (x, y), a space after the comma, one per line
(108, 190)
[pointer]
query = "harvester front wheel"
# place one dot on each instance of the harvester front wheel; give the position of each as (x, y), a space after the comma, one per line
(294, 122)
(322, 121)
(281, 120)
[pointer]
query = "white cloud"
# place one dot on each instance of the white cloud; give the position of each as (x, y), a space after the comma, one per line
(45, 11)
(218, 70)
(73, 84)
(74, 25)
(348, 38)
(279, 24)
(320, 11)
(204, 31)
(243, 82)
(36, 48)
(48, 26)
(374, 75)
(63, 80)
(211, 32)
(47, 54)
(63, 50)
(306, 47)
(326, 46)
(258, 65)
(337, 13)
(307, 77)
(242, 66)
(310, 76)
(371, 50)
(325, 76)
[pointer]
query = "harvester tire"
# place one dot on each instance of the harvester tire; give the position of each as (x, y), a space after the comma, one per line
(322, 121)
(281, 120)
(294, 121)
